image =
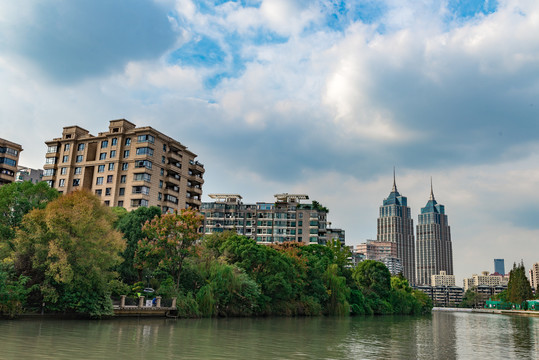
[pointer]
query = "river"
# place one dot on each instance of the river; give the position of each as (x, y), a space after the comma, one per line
(442, 335)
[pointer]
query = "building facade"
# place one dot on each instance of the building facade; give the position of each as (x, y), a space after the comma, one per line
(336, 234)
(442, 279)
(485, 280)
(126, 166)
(534, 276)
(286, 219)
(377, 250)
(395, 225)
(9, 159)
(28, 174)
(434, 249)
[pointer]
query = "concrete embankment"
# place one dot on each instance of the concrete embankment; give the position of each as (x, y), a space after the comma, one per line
(491, 311)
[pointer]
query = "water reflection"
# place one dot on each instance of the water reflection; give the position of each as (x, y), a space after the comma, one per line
(440, 336)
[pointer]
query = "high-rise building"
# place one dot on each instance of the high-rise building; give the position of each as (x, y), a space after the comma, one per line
(534, 276)
(126, 166)
(499, 266)
(396, 225)
(434, 250)
(286, 219)
(9, 158)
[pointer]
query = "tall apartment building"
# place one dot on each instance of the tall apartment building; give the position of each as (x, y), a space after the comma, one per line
(434, 249)
(126, 166)
(9, 158)
(396, 225)
(499, 266)
(534, 276)
(286, 219)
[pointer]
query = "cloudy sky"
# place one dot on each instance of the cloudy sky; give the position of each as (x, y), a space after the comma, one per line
(321, 97)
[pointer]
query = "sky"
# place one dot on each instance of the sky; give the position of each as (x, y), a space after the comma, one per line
(312, 97)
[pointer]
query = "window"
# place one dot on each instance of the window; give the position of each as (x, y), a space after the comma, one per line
(109, 179)
(78, 158)
(159, 196)
(51, 160)
(125, 166)
(121, 192)
(172, 199)
(112, 154)
(120, 203)
(111, 166)
(52, 149)
(165, 147)
(141, 190)
(144, 138)
(163, 159)
(48, 172)
(50, 183)
(145, 151)
(114, 141)
(102, 156)
(78, 170)
(142, 177)
(63, 171)
(107, 192)
(62, 182)
(123, 178)
(162, 172)
(126, 154)
(80, 147)
(76, 182)
(101, 168)
(160, 183)
(107, 202)
(99, 180)
(143, 163)
(7, 161)
(127, 141)
(139, 202)
(66, 147)
(9, 151)
(98, 192)
(104, 144)
(65, 158)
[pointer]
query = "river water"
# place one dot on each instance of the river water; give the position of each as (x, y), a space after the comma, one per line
(442, 335)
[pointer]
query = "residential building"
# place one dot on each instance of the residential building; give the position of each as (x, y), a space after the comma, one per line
(285, 219)
(534, 276)
(336, 234)
(485, 280)
(434, 250)
(125, 166)
(396, 225)
(377, 250)
(499, 266)
(442, 279)
(28, 174)
(443, 295)
(393, 264)
(9, 159)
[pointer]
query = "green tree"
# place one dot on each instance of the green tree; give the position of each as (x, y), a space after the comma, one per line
(130, 225)
(13, 291)
(338, 292)
(470, 299)
(17, 199)
(518, 288)
(373, 276)
(69, 249)
(168, 241)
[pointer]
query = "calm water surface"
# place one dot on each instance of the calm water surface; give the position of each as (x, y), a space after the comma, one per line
(439, 336)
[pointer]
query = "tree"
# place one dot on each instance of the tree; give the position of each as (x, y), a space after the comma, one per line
(373, 276)
(13, 291)
(470, 299)
(518, 288)
(17, 199)
(130, 224)
(69, 249)
(168, 240)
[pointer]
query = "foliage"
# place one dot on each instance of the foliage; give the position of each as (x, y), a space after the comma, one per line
(317, 206)
(68, 249)
(13, 291)
(518, 288)
(338, 292)
(130, 224)
(167, 242)
(470, 299)
(117, 287)
(17, 199)
(373, 277)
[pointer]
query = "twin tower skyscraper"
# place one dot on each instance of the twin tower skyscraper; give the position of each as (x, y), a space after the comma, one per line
(432, 252)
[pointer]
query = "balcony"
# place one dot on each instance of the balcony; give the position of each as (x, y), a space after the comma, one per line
(175, 163)
(172, 187)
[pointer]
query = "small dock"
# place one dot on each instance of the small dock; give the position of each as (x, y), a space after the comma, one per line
(145, 307)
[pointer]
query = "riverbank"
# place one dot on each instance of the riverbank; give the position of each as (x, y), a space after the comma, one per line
(491, 311)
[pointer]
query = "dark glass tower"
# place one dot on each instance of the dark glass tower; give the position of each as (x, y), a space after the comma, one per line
(434, 251)
(396, 225)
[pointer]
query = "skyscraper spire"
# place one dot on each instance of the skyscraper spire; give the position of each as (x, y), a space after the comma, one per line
(394, 181)
(431, 192)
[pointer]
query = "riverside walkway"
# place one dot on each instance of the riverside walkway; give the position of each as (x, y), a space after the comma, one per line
(490, 311)
(144, 308)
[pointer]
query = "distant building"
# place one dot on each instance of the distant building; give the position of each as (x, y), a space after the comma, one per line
(393, 264)
(485, 280)
(434, 249)
(28, 174)
(377, 250)
(9, 159)
(286, 219)
(336, 234)
(499, 266)
(395, 225)
(126, 166)
(534, 276)
(443, 296)
(442, 279)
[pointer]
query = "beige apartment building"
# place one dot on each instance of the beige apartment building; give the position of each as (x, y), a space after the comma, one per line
(125, 166)
(534, 276)
(377, 250)
(485, 280)
(9, 159)
(442, 279)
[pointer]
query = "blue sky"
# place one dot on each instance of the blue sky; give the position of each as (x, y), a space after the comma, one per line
(315, 97)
